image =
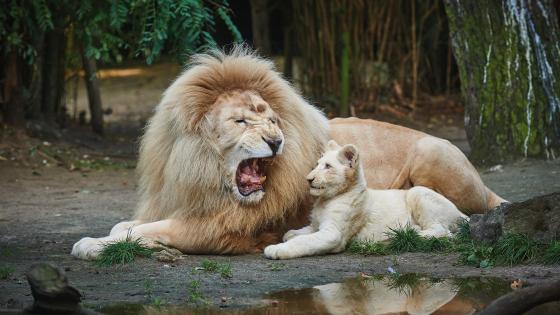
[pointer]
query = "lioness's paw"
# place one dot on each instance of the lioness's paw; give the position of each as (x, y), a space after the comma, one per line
(87, 248)
(289, 235)
(279, 251)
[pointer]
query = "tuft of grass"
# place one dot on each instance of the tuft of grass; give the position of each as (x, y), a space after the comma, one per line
(463, 231)
(552, 253)
(194, 295)
(149, 291)
(102, 164)
(368, 248)
(514, 249)
(212, 266)
(5, 272)
(226, 271)
(481, 255)
(7, 252)
(122, 252)
(510, 249)
(277, 266)
(403, 239)
(436, 244)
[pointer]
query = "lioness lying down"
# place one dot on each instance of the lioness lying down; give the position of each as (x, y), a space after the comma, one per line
(346, 209)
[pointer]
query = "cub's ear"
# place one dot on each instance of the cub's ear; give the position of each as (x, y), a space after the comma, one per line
(348, 155)
(332, 145)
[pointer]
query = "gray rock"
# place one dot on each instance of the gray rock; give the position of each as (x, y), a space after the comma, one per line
(52, 294)
(538, 218)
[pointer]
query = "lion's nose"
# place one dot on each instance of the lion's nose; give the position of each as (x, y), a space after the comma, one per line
(273, 144)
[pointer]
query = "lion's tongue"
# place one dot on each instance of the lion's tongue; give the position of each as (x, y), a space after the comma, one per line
(250, 173)
(250, 177)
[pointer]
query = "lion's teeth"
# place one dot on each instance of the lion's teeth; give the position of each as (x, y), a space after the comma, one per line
(262, 178)
(254, 162)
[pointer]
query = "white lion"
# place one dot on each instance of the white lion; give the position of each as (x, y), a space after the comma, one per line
(346, 209)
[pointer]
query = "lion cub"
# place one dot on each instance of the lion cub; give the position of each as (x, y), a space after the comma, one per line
(347, 210)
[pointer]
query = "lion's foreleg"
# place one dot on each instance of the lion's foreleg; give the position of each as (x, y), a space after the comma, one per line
(153, 234)
(124, 226)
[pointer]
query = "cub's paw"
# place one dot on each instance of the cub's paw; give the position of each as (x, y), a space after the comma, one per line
(289, 235)
(87, 248)
(279, 251)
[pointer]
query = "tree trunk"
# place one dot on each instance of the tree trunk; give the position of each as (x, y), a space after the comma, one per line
(35, 78)
(13, 110)
(509, 63)
(287, 30)
(260, 26)
(94, 96)
(345, 75)
(53, 74)
(288, 53)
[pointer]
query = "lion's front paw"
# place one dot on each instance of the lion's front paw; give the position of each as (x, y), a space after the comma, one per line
(123, 226)
(87, 248)
(289, 235)
(279, 251)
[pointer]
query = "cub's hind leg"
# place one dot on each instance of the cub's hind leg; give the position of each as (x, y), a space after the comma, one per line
(435, 214)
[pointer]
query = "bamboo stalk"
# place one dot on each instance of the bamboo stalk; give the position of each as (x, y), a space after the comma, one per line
(345, 74)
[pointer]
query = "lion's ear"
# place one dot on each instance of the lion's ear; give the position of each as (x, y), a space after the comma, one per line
(332, 145)
(348, 155)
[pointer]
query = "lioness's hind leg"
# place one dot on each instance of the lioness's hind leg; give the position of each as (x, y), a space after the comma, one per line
(441, 166)
(124, 226)
(434, 213)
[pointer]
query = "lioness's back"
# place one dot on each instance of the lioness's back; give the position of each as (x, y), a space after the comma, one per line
(384, 147)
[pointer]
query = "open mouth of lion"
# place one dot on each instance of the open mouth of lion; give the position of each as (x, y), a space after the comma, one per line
(251, 175)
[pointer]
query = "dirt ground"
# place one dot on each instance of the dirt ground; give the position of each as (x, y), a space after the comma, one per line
(43, 211)
(45, 208)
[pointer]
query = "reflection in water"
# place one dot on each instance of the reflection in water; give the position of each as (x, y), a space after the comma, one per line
(406, 294)
(381, 297)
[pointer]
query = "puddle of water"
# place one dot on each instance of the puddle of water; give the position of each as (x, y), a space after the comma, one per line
(406, 294)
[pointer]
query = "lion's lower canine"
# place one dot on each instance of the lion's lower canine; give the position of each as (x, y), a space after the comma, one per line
(223, 160)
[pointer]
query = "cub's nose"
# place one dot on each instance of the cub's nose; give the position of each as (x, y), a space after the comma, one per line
(273, 144)
(310, 180)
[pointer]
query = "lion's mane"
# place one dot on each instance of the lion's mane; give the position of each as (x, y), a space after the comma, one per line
(182, 175)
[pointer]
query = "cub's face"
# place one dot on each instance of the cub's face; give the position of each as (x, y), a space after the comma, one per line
(248, 135)
(335, 171)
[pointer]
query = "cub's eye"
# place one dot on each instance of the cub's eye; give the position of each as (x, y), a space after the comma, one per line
(272, 120)
(327, 166)
(240, 121)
